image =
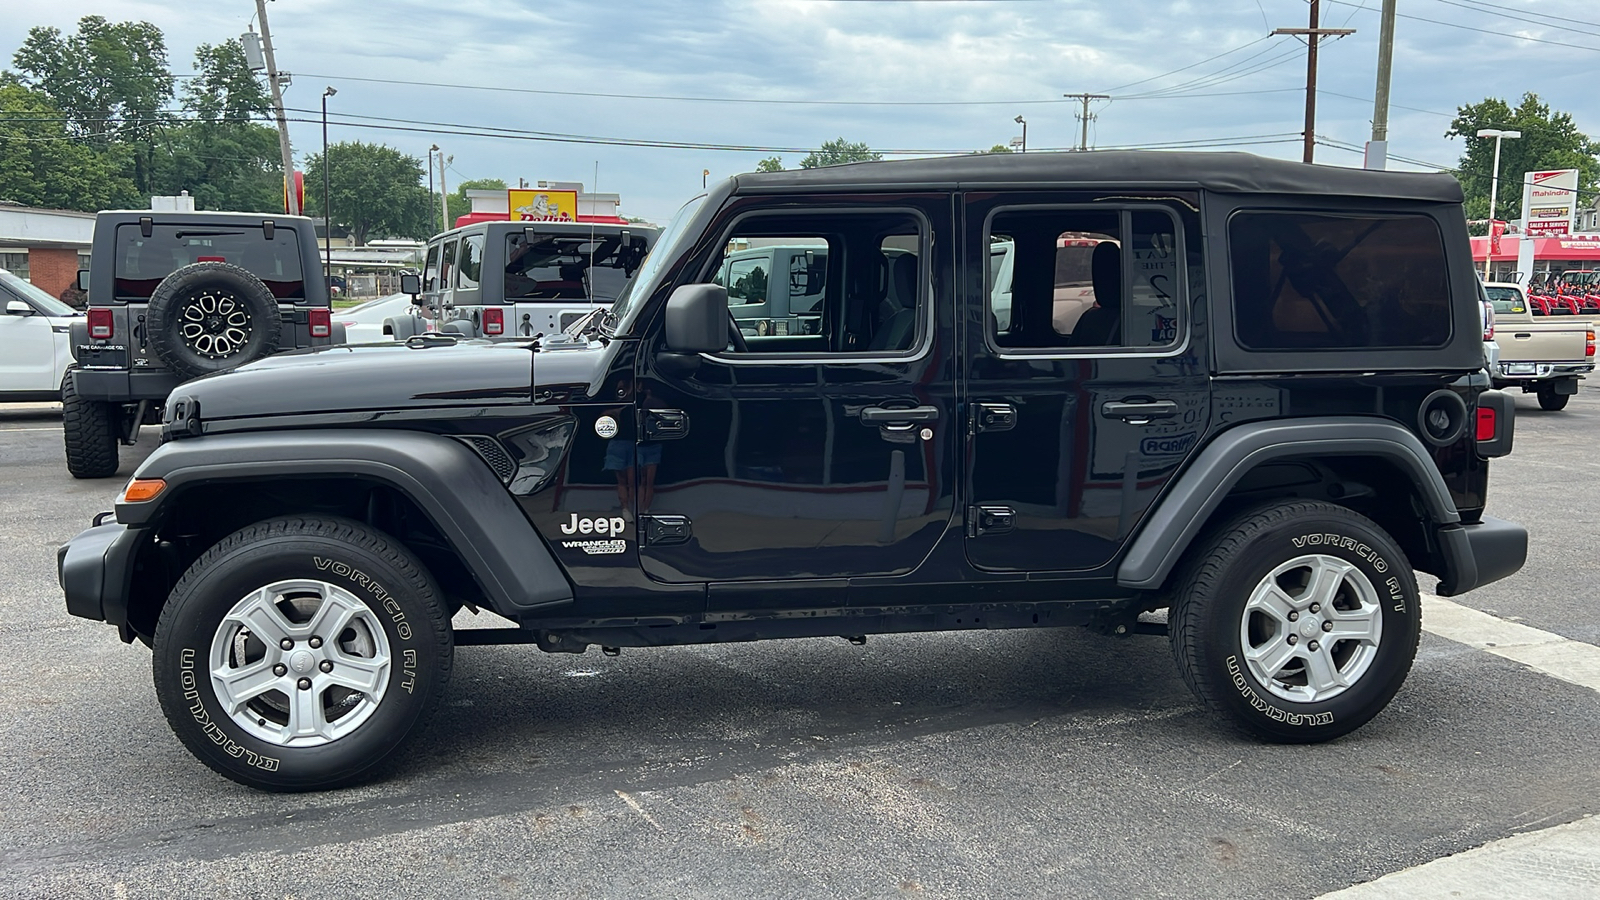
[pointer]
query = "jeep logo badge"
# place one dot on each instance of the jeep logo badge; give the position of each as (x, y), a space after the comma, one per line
(606, 427)
(612, 525)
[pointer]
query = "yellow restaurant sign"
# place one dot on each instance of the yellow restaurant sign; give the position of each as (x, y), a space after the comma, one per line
(539, 205)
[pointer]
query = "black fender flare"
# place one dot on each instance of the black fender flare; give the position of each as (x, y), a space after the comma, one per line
(448, 481)
(1181, 514)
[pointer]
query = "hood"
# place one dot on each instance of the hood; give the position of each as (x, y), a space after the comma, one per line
(354, 378)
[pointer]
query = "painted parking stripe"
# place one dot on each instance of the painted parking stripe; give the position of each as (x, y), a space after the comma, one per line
(1571, 661)
(1552, 864)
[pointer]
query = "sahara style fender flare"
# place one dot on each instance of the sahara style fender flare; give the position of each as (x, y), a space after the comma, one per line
(1180, 515)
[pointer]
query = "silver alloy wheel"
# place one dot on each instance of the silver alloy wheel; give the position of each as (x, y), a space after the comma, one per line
(300, 663)
(1311, 628)
(214, 324)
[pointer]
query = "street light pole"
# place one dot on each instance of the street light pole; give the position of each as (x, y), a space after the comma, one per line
(1494, 190)
(327, 214)
(1024, 123)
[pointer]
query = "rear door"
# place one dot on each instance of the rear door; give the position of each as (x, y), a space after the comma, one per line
(800, 457)
(1086, 390)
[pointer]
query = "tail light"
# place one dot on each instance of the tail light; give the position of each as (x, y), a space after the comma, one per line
(1486, 423)
(1588, 347)
(321, 322)
(1488, 321)
(494, 322)
(101, 324)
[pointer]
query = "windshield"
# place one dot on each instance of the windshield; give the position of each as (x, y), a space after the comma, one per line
(666, 248)
(1506, 299)
(45, 303)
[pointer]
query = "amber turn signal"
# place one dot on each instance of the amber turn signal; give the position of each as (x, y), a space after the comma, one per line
(142, 489)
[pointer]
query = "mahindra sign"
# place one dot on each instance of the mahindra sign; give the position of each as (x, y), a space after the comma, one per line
(1549, 202)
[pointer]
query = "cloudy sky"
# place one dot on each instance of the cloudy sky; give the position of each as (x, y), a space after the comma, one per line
(927, 76)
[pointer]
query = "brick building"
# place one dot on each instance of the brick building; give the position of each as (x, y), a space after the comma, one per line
(45, 246)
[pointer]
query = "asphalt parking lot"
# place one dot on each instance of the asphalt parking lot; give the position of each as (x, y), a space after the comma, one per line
(1035, 763)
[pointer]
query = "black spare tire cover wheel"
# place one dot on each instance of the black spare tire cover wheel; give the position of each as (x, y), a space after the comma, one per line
(212, 316)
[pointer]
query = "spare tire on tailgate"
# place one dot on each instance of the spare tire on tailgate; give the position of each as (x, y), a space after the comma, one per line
(211, 316)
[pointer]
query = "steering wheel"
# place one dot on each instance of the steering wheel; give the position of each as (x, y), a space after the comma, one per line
(739, 343)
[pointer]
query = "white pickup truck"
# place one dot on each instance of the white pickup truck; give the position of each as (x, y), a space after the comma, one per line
(1544, 356)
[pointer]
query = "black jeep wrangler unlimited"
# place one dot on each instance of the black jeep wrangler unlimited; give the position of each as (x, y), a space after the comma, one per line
(177, 295)
(1259, 404)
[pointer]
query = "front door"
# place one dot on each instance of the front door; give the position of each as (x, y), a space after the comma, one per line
(814, 455)
(1087, 377)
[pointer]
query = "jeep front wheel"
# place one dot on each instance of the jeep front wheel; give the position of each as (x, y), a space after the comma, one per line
(300, 654)
(1297, 622)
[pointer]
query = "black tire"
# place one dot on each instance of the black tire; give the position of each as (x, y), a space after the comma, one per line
(89, 428)
(394, 611)
(210, 317)
(1209, 625)
(1551, 401)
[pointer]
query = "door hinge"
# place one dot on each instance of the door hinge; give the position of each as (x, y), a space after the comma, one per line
(983, 520)
(665, 424)
(658, 530)
(993, 417)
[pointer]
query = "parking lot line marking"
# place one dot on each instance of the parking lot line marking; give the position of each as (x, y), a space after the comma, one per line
(1553, 864)
(1571, 661)
(30, 429)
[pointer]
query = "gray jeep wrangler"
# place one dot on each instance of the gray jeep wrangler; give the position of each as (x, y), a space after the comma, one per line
(177, 295)
(1245, 393)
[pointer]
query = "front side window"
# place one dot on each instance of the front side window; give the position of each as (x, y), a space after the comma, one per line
(142, 262)
(447, 264)
(832, 283)
(1323, 281)
(469, 269)
(1080, 278)
(430, 270)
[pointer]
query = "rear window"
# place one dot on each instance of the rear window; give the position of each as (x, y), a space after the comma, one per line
(1506, 299)
(566, 267)
(1305, 281)
(141, 262)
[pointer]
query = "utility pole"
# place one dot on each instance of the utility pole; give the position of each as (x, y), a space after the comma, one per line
(1083, 144)
(274, 80)
(444, 194)
(1378, 149)
(1312, 35)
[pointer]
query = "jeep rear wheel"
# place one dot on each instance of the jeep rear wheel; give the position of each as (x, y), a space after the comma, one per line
(89, 429)
(1297, 622)
(210, 317)
(301, 654)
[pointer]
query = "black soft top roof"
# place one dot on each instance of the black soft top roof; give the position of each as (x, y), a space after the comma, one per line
(1223, 172)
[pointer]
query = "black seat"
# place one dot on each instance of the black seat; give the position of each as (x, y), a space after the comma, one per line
(1101, 324)
(897, 329)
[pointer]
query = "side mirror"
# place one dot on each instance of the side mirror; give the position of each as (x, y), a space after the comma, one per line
(18, 308)
(410, 284)
(83, 279)
(697, 319)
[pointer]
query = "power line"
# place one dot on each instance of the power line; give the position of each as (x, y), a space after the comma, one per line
(1516, 37)
(1501, 13)
(1189, 66)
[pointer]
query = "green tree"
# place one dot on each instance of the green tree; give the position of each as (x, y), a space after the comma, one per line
(221, 155)
(374, 190)
(1550, 140)
(110, 80)
(458, 203)
(837, 151)
(41, 164)
(997, 148)
(770, 164)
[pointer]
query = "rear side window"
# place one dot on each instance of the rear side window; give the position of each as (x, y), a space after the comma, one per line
(469, 269)
(1309, 281)
(141, 262)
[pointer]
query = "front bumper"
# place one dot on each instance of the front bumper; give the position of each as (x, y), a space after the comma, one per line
(95, 570)
(1480, 553)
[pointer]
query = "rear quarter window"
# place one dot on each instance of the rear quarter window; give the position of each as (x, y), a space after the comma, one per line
(1328, 281)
